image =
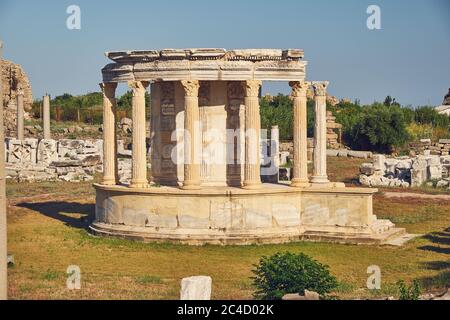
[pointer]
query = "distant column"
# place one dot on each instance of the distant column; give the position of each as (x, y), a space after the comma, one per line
(252, 170)
(320, 133)
(109, 133)
(191, 135)
(3, 237)
(139, 154)
(46, 117)
(300, 174)
(20, 127)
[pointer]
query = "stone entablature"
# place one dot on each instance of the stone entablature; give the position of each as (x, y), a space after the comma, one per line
(205, 64)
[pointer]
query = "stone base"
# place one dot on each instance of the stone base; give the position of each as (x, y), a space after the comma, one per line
(275, 213)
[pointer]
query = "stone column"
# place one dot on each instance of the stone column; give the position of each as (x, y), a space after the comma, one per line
(109, 133)
(191, 135)
(320, 133)
(20, 127)
(46, 117)
(252, 175)
(3, 238)
(139, 152)
(300, 174)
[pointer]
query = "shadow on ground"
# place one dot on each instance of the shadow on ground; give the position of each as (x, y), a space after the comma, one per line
(61, 210)
(440, 244)
(440, 241)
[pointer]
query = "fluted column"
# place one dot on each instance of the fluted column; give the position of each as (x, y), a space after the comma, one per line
(20, 127)
(252, 175)
(46, 117)
(109, 133)
(139, 154)
(191, 135)
(300, 174)
(320, 134)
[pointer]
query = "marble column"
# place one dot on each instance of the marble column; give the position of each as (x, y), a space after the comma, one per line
(191, 135)
(3, 233)
(46, 117)
(300, 170)
(139, 152)
(20, 126)
(109, 133)
(252, 175)
(320, 133)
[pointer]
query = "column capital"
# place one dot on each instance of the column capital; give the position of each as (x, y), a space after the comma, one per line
(299, 88)
(320, 87)
(251, 87)
(108, 88)
(190, 87)
(138, 87)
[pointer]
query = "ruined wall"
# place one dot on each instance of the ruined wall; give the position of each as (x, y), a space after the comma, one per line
(14, 77)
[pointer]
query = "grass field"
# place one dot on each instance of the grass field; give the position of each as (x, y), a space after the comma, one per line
(47, 233)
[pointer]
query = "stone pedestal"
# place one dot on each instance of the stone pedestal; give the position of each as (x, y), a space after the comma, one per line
(46, 117)
(109, 133)
(139, 155)
(191, 135)
(300, 169)
(320, 134)
(252, 178)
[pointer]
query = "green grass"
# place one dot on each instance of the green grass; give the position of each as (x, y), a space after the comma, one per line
(47, 233)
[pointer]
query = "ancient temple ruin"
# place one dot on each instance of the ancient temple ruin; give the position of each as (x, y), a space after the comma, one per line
(205, 180)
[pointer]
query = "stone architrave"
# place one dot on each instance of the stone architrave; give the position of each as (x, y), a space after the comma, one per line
(320, 133)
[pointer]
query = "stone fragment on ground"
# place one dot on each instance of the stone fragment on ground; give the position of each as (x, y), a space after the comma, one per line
(196, 288)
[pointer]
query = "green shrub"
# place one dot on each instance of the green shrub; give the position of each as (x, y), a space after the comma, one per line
(411, 292)
(287, 272)
(379, 128)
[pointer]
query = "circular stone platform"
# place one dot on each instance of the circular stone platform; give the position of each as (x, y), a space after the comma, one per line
(275, 213)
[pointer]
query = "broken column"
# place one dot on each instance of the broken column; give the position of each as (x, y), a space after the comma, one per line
(46, 117)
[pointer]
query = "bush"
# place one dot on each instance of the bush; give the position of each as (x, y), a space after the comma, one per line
(379, 128)
(287, 272)
(411, 292)
(429, 115)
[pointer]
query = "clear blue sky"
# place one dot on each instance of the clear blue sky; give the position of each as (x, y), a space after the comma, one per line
(409, 58)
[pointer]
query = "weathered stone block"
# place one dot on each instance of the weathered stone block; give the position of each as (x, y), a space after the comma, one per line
(196, 288)
(47, 151)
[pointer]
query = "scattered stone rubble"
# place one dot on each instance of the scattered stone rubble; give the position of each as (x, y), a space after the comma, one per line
(406, 171)
(31, 160)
